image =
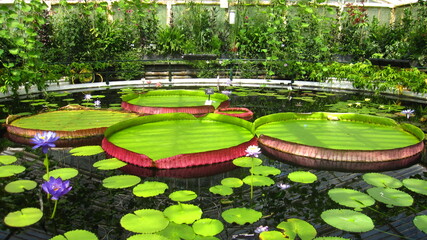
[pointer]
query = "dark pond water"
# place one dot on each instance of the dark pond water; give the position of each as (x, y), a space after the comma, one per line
(92, 207)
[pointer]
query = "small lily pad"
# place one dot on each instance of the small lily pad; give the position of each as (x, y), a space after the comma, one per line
(7, 159)
(296, 227)
(76, 235)
(221, 190)
(302, 177)
(63, 173)
(247, 162)
(149, 189)
(416, 185)
(20, 186)
(348, 220)
(121, 181)
(391, 197)
(24, 217)
(241, 216)
(421, 222)
(10, 170)
(86, 150)
(147, 237)
(182, 196)
(109, 164)
(381, 180)
(144, 221)
(232, 182)
(256, 180)
(272, 235)
(208, 227)
(351, 198)
(265, 170)
(331, 238)
(183, 213)
(176, 231)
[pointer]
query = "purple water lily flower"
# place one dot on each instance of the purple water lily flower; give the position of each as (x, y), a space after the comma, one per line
(261, 229)
(56, 187)
(253, 151)
(408, 113)
(45, 141)
(97, 103)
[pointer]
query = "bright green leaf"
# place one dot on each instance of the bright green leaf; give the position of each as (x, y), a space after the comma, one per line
(149, 189)
(241, 216)
(19, 186)
(348, 220)
(144, 221)
(24, 217)
(121, 181)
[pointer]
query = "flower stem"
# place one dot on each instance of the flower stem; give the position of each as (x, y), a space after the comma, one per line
(54, 210)
(252, 180)
(46, 164)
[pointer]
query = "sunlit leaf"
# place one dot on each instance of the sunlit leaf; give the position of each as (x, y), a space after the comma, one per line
(7, 159)
(232, 182)
(208, 227)
(19, 186)
(183, 196)
(86, 150)
(178, 231)
(420, 222)
(331, 238)
(183, 213)
(221, 190)
(63, 173)
(144, 221)
(24, 217)
(76, 235)
(256, 180)
(302, 177)
(416, 185)
(121, 181)
(348, 220)
(150, 189)
(296, 227)
(247, 162)
(272, 235)
(10, 170)
(109, 164)
(391, 197)
(241, 216)
(350, 198)
(265, 170)
(147, 237)
(381, 180)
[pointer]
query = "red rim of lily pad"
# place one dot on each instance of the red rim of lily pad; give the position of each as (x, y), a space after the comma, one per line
(242, 113)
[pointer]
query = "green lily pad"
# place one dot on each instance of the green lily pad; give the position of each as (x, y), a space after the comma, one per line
(24, 217)
(176, 231)
(351, 198)
(256, 180)
(208, 227)
(247, 162)
(121, 181)
(381, 180)
(7, 159)
(391, 197)
(331, 238)
(221, 190)
(63, 173)
(296, 227)
(198, 237)
(348, 220)
(10, 170)
(144, 221)
(272, 235)
(183, 213)
(76, 235)
(20, 186)
(147, 237)
(232, 182)
(421, 222)
(302, 177)
(109, 164)
(86, 150)
(241, 216)
(150, 189)
(182, 196)
(265, 170)
(416, 185)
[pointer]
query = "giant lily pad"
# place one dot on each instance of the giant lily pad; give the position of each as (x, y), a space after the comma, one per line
(208, 227)
(76, 235)
(183, 213)
(351, 198)
(10, 170)
(391, 197)
(296, 227)
(19, 186)
(150, 189)
(144, 221)
(121, 181)
(348, 220)
(420, 222)
(24, 217)
(241, 215)
(416, 185)
(381, 180)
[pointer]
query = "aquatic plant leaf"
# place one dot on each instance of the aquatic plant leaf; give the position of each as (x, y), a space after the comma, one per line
(10, 170)
(265, 170)
(221, 190)
(176, 231)
(144, 221)
(302, 177)
(182, 196)
(24, 217)
(256, 180)
(272, 235)
(183, 213)
(348, 220)
(208, 227)
(149, 189)
(331, 238)
(390, 196)
(121, 181)
(76, 235)
(232, 182)
(381, 180)
(420, 222)
(7, 159)
(351, 198)
(241, 216)
(296, 227)
(416, 185)
(63, 173)
(147, 237)
(19, 186)
(247, 162)
(86, 151)
(109, 164)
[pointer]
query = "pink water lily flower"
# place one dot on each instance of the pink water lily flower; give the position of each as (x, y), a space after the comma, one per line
(253, 151)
